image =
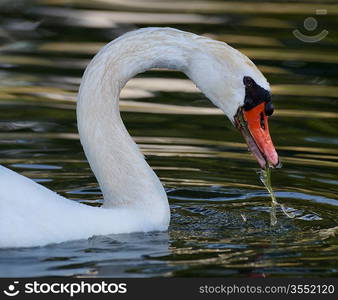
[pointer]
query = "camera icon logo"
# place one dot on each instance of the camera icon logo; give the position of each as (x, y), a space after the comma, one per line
(311, 24)
(11, 290)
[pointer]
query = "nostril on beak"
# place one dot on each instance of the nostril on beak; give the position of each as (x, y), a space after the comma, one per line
(262, 122)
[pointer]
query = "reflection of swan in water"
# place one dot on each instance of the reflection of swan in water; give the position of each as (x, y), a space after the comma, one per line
(134, 199)
(129, 252)
(104, 255)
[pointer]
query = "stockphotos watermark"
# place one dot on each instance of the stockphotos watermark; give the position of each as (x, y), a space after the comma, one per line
(310, 25)
(70, 289)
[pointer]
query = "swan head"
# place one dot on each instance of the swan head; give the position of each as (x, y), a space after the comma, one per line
(235, 85)
(252, 120)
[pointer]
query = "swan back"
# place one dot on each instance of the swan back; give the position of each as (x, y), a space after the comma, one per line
(32, 215)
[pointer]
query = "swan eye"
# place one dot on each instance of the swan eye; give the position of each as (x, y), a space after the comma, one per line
(248, 81)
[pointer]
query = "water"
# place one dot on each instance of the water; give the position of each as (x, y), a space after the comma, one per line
(220, 210)
(265, 177)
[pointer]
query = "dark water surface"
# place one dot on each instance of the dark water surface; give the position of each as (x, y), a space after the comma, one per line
(220, 211)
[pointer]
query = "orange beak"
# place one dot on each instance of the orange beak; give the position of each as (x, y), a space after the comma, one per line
(253, 124)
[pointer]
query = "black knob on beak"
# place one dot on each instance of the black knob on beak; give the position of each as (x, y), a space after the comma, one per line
(268, 109)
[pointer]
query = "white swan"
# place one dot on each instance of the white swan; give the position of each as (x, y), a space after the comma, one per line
(134, 199)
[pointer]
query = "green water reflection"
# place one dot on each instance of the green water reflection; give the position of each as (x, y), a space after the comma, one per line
(220, 210)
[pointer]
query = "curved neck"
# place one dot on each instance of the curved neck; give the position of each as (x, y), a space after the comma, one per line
(123, 175)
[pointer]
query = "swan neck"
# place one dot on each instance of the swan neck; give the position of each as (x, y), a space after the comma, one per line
(123, 175)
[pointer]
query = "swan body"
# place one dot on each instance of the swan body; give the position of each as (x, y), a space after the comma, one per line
(134, 198)
(38, 216)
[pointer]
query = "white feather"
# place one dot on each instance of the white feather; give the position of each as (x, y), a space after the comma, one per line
(134, 199)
